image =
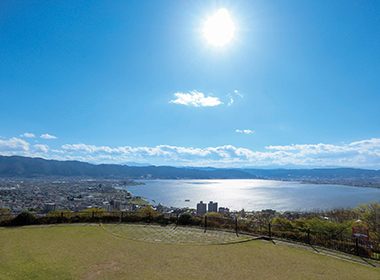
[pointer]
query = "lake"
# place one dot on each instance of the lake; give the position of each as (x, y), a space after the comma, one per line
(253, 194)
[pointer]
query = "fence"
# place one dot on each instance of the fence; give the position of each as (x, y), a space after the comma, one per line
(347, 244)
(330, 240)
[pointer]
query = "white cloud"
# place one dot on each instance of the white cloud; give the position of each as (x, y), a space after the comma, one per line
(195, 98)
(360, 154)
(357, 154)
(47, 136)
(41, 148)
(231, 100)
(238, 93)
(28, 135)
(13, 145)
(58, 151)
(246, 131)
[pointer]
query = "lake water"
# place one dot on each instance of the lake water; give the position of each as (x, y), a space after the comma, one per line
(253, 194)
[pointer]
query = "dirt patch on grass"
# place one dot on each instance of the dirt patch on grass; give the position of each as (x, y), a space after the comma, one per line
(100, 270)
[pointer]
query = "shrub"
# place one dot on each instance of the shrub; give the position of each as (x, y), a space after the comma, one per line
(24, 218)
(184, 219)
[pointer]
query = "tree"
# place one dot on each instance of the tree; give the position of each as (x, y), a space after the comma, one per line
(341, 215)
(58, 213)
(24, 218)
(148, 211)
(185, 219)
(370, 213)
(327, 226)
(93, 211)
(214, 214)
(5, 214)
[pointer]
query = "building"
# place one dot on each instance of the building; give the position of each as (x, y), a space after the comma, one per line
(213, 206)
(107, 206)
(126, 206)
(268, 213)
(49, 207)
(201, 208)
(224, 210)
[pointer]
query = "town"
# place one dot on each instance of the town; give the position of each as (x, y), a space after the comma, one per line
(41, 195)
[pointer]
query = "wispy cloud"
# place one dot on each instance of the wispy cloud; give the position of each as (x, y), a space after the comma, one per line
(47, 136)
(238, 93)
(246, 131)
(28, 135)
(231, 100)
(195, 98)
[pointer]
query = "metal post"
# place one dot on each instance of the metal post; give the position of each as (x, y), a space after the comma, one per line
(308, 236)
(270, 233)
(357, 246)
(205, 223)
(93, 213)
(236, 226)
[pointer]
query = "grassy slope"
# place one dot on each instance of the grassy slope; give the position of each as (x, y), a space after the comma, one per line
(91, 253)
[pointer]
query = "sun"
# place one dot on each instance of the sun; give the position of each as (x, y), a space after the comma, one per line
(219, 28)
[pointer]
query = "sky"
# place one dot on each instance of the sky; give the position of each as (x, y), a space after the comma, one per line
(123, 82)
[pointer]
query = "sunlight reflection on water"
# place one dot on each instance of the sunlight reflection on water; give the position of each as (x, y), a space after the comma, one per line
(254, 194)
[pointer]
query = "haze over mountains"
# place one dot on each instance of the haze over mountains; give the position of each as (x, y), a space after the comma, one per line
(17, 166)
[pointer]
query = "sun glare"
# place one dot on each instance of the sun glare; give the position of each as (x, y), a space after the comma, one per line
(219, 28)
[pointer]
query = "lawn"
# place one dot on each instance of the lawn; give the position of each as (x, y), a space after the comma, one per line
(90, 252)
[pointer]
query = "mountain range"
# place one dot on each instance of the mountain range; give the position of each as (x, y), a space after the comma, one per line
(18, 166)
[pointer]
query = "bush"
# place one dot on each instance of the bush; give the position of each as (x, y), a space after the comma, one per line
(24, 218)
(184, 219)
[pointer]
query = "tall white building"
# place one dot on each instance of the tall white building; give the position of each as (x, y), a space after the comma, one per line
(201, 208)
(213, 206)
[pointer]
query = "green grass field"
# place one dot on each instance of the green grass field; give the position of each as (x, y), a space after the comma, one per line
(90, 252)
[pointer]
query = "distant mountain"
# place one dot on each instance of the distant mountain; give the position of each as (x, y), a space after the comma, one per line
(323, 173)
(12, 166)
(17, 166)
(132, 163)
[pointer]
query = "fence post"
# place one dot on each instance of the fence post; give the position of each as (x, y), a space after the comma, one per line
(236, 226)
(62, 215)
(121, 218)
(205, 223)
(308, 236)
(270, 233)
(93, 213)
(357, 246)
(149, 217)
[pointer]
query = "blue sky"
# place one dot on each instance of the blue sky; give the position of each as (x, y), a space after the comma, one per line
(137, 81)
